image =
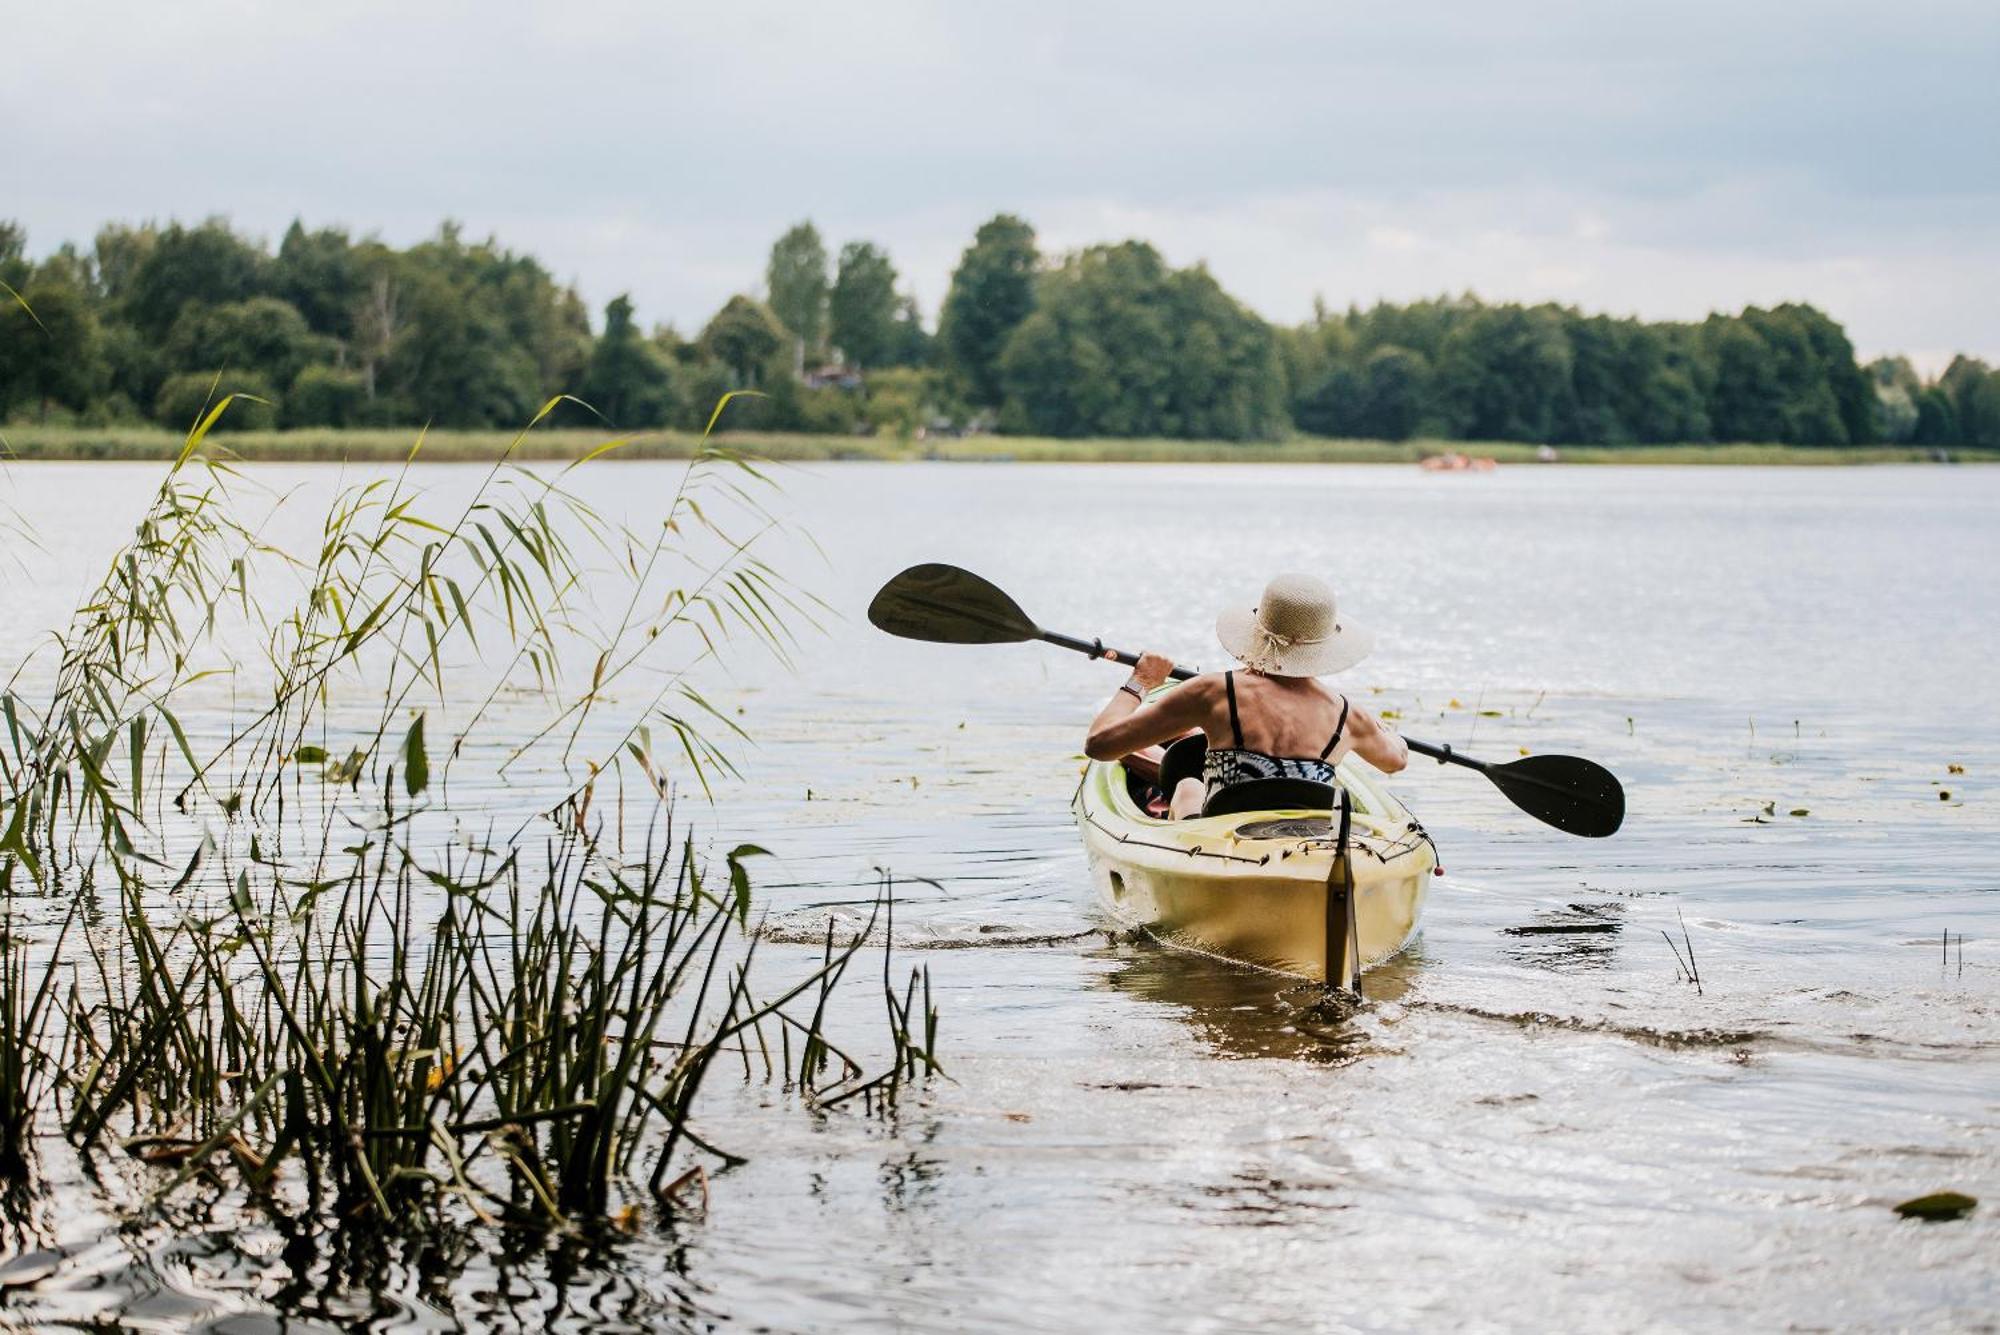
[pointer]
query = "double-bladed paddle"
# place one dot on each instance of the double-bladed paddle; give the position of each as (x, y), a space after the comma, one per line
(946, 605)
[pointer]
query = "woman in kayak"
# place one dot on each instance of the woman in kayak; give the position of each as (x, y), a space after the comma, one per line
(1272, 718)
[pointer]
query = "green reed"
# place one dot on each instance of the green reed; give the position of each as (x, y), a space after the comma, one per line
(27, 1004)
(315, 976)
(531, 1049)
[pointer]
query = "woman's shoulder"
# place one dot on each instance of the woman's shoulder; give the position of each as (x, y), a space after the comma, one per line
(1202, 685)
(1359, 716)
(1196, 692)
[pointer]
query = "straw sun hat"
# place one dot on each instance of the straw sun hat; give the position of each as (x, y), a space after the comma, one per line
(1293, 631)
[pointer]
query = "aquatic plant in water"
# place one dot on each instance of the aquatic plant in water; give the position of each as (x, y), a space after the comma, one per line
(288, 959)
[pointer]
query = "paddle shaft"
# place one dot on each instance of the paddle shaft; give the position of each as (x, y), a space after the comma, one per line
(1099, 649)
(1444, 755)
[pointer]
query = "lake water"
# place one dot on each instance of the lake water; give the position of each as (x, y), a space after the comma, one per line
(1520, 1131)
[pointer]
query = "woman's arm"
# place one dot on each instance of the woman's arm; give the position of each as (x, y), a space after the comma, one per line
(1376, 744)
(1128, 722)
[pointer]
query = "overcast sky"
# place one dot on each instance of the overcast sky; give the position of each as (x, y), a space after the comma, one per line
(1664, 159)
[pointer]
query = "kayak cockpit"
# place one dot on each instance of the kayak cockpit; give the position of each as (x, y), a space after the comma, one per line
(1183, 759)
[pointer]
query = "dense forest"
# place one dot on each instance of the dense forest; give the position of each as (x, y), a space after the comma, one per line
(150, 322)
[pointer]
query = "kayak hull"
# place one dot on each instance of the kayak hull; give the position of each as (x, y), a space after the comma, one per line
(1252, 887)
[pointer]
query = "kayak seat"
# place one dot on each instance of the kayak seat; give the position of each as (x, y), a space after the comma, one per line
(1270, 795)
(1182, 760)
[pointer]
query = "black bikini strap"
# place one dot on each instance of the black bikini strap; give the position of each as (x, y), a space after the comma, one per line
(1338, 729)
(1235, 725)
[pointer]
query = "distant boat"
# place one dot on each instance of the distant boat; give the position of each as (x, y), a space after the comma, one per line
(1457, 463)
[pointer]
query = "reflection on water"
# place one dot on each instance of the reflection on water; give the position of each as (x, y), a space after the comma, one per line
(1535, 1121)
(193, 1270)
(1240, 1011)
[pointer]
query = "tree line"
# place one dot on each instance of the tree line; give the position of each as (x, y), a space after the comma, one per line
(151, 321)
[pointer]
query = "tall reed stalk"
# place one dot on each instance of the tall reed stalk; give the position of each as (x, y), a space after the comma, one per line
(322, 975)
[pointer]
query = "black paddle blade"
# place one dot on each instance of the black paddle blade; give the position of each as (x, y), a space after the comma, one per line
(1575, 795)
(946, 605)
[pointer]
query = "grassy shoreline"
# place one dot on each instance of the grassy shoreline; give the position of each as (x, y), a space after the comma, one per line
(386, 445)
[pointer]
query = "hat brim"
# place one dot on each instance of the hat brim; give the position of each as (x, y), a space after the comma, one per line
(1240, 634)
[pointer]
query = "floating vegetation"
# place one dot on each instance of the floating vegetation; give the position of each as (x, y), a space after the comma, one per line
(1938, 1207)
(1565, 929)
(291, 965)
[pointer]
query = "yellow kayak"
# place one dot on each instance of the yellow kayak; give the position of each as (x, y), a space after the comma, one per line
(1253, 886)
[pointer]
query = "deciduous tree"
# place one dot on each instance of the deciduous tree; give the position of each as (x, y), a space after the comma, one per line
(744, 336)
(795, 277)
(628, 380)
(992, 292)
(863, 306)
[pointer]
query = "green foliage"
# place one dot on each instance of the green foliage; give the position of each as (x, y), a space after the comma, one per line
(1937, 419)
(1121, 345)
(416, 760)
(788, 405)
(1786, 375)
(903, 401)
(13, 254)
(913, 343)
(468, 334)
(1974, 414)
(322, 275)
(1984, 414)
(326, 396)
(178, 265)
(744, 336)
(1505, 374)
(796, 280)
(50, 345)
(187, 396)
(264, 334)
(705, 381)
(863, 307)
(117, 253)
(1897, 390)
(992, 292)
(628, 379)
(1383, 398)
(1465, 370)
(471, 336)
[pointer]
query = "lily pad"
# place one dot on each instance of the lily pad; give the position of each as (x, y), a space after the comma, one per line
(1938, 1207)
